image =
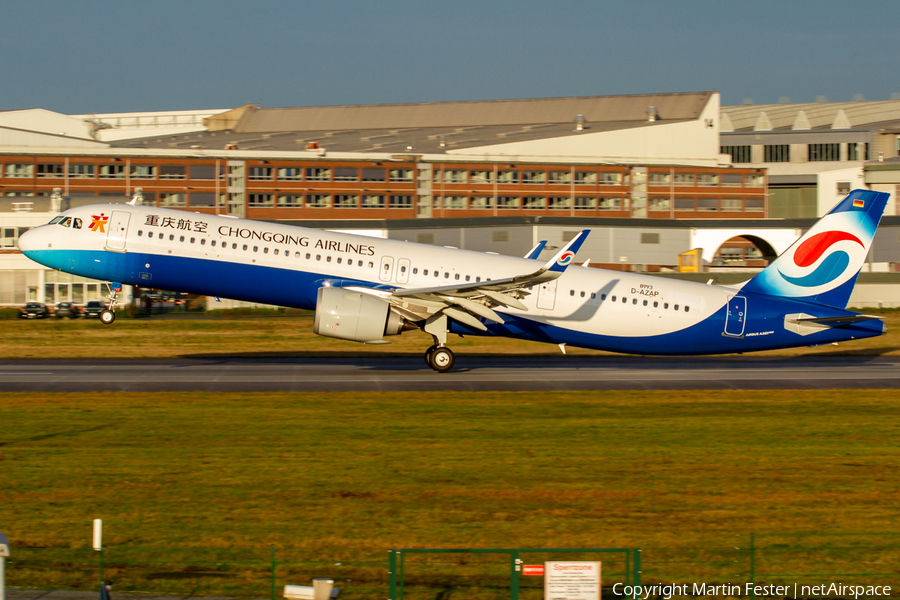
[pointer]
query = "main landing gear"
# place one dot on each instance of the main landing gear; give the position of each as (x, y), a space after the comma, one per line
(108, 315)
(439, 357)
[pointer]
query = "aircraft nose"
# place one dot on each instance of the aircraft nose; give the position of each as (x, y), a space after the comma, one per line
(30, 241)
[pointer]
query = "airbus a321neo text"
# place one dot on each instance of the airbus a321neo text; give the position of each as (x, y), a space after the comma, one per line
(366, 289)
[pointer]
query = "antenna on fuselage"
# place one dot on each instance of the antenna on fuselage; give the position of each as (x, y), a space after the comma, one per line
(138, 198)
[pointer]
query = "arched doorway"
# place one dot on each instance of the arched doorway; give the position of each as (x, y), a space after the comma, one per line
(747, 251)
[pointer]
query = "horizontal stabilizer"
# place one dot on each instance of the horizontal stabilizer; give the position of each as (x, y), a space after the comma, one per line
(844, 320)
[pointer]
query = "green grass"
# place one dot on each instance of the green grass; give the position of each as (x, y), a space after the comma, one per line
(446, 469)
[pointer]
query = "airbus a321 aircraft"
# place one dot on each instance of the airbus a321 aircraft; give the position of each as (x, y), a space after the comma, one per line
(365, 289)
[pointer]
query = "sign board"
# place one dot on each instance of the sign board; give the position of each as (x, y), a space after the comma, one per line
(571, 580)
(532, 569)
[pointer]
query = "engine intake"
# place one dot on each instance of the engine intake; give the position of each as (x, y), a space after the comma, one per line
(354, 316)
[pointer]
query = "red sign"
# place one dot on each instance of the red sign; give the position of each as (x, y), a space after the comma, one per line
(532, 569)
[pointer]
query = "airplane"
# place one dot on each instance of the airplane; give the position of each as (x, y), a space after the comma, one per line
(365, 289)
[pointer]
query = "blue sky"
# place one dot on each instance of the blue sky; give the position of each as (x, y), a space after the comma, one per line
(117, 56)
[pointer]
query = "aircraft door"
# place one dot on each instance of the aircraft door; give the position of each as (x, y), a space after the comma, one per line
(387, 268)
(118, 230)
(736, 316)
(546, 296)
(402, 270)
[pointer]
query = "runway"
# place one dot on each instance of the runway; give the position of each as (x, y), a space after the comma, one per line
(472, 373)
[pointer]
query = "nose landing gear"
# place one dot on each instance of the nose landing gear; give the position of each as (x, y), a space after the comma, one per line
(108, 316)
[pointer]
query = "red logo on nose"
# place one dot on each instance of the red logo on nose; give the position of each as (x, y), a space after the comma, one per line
(98, 223)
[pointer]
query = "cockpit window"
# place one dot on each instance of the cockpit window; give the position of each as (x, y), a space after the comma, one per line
(56, 219)
(76, 224)
(67, 222)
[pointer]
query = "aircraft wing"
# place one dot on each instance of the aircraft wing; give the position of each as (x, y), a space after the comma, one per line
(468, 302)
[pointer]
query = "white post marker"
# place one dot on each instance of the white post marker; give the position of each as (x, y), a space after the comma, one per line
(572, 580)
(98, 535)
(4, 552)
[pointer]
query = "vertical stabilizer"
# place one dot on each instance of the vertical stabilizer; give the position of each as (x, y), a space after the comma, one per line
(822, 266)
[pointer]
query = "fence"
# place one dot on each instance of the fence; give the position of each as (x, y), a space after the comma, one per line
(419, 573)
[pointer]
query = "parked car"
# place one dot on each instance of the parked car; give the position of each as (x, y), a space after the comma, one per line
(93, 309)
(35, 310)
(67, 309)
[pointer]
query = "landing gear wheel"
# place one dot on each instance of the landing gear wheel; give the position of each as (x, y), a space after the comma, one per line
(107, 317)
(428, 354)
(442, 359)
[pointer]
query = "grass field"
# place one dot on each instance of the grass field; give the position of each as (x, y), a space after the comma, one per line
(291, 336)
(446, 469)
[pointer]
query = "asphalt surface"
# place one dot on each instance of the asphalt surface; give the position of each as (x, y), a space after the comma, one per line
(472, 373)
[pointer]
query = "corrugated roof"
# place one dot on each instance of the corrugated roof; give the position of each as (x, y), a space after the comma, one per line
(595, 109)
(819, 114)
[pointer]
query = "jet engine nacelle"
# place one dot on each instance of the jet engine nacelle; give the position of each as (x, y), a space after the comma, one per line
(354, 316)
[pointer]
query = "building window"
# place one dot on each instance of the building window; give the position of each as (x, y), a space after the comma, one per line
(452, 176)
(259, 173)
(535, 202)
(707, 180)
(731, 180)
(143, 171)
(346, 201)
(534, 177)
(508, 202)
(481, 177)
(373, 201)
(658, 204)
(401, 201)
(507, 177)
(318, 174)
(559, 203)
(585, 203)
(659, 179)
(754, 205)
(201, 199)
(400, 175)
(683, 179)
(684, 204)
(81, 171)
(455, 202)
(290, 200)
(53, 170)
(560, 177)
(777, 153)
(170, 199)
(731, 205)
(481, 203)
(261, 200)
(19, 170)
(824, 152)
(753, 181)
(499, 236)
(373, 174)
(290, 174)
(739, 154)
(707, 204)
(585, 178)
(112, 171)
(346, 174)
(610, 204)
(649, 238)
(318, 200)
(172, 171)
(607, 178)
(203, 172)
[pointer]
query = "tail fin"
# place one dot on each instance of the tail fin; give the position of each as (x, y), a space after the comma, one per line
(822, 266)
